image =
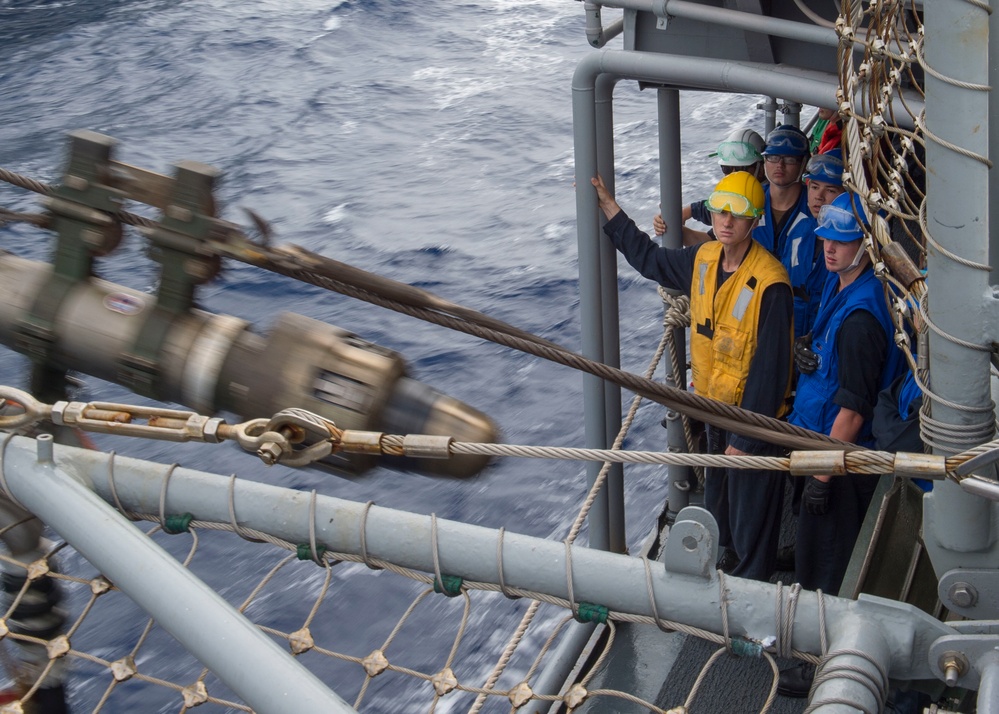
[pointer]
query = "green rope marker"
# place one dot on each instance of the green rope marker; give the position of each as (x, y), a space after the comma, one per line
(178, 523)
(450, 587)
(304, 551)
(745, 648)
(589, 612)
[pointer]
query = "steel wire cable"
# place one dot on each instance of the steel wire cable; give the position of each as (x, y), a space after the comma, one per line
(329, 274)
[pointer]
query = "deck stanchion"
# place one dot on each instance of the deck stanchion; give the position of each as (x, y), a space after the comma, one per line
(958, 525)
(560, 663)
(610, 320)
(591, 249)
(671, 193)
(993, 129)
(855, 675)
(988, 690)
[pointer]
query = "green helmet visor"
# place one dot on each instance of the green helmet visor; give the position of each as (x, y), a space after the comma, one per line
(734, 203)
(737, 153)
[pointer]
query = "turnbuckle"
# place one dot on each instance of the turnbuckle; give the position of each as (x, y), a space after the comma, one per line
(161, 424)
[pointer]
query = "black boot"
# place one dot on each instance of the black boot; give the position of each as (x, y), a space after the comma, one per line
(785, 559)
(796, 681)
(728, 561)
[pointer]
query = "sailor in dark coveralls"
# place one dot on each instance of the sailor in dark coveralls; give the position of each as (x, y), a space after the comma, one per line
(741, 326)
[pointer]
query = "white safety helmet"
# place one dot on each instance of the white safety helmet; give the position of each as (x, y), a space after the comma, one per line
(742, 147)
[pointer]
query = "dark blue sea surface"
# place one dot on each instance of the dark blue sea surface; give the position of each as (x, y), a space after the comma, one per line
(427, 142)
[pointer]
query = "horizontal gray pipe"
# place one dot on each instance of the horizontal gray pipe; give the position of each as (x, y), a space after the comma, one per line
(794, 84)
(748, 21)
(468, 551)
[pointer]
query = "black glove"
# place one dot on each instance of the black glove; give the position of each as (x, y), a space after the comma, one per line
(815, 498)
(806, 360)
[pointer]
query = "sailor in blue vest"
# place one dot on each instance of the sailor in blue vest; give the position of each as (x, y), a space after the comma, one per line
(786, 202)
(803, 259)
(851, 358)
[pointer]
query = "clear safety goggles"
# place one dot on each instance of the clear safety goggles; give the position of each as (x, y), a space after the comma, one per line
(786, 143)
(734, 203)
(736, 153)
(825, 168)
(838, 224)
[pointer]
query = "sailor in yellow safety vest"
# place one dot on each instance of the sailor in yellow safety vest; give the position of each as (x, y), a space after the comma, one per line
(740, 351)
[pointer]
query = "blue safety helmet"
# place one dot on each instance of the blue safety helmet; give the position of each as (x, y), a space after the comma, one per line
(827, 168)
(787, 140)
(838, 222)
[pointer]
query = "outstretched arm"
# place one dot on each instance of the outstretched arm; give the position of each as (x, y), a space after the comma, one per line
(604, 198)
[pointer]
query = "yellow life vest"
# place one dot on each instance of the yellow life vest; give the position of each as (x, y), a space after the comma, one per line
(725, 321)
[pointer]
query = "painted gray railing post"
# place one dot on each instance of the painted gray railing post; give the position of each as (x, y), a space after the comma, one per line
(861, 657)
(604, 107)
(791, 113)
(958, 525)
(769, 107)
(593, 129)
(590, 245)
(671, 197)
(988, 690)
(993, 132)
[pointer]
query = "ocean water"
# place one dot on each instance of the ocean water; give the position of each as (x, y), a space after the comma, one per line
(427, 142)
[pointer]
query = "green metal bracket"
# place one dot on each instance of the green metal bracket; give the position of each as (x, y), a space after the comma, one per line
(84, 215)
(84, 207)
(179, 243)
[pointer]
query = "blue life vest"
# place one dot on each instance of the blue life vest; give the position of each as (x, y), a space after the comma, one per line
(907, 393)
(814, 407)
(795, 248)
(764, 231)
(806, 269)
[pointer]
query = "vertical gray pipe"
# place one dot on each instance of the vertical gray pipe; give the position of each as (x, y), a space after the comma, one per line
(956, 37)
(589, 245)
(791, 112)
(769, 107)
(594, 24)
(593, 134)
(993, 132)
(561, 662)
(671, 201)
(988, 690)
(847, 693)
(610, 319)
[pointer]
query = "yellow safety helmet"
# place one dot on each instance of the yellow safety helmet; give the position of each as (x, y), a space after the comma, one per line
(738, 193)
